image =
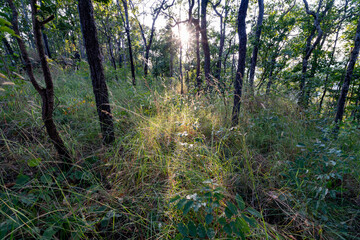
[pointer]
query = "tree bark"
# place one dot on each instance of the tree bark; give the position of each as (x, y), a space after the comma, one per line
(205, 42)
(256, 45)
(349, 72)
(241, 61)
(93, 53)
(222, 17)
(47, 93)
(127, 29)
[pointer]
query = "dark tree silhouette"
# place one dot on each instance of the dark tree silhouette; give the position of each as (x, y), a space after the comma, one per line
(241, 61)
(93, 53)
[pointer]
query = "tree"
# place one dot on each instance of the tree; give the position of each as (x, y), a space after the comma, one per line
(100, 90)
(256, 45)
(155, 14)
(349, 72)
(205, 42)
(46, 93)
(310, 47)
(238, 83)
(223, 16)
(127, 29)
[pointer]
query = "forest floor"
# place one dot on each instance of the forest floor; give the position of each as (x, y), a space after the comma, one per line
(177, 169)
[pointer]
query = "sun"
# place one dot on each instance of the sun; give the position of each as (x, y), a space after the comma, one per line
(183, 33)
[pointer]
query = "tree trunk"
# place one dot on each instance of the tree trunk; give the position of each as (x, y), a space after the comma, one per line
(127, 29)
(272, 66)
(9, 51)
(350, 68)
(47, 93)
(92, 47)
(205, 42)
(241, 61)
(198, 62)
(256, 45)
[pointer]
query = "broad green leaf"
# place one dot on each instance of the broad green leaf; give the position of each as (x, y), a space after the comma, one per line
(192, 229)
(209, 218)
(4, 22)
(254, 212)
(227, 229)
(210, 233)
(34, 162)
(187, 207)
(201, 231)
(222, 221)
(251, 221)
(243, 225)
(174, 199)
(22, 179)
(232, 207)
(183, 229)
(48, 234)
(228, 213)
(240, 202)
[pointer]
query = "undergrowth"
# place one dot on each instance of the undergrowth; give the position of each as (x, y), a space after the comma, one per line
(177, 169)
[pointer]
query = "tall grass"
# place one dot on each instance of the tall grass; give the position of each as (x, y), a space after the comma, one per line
(169, 146)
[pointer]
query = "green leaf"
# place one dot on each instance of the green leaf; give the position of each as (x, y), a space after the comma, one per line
(236, 227)
(8, 30)
(22, 179)
(4, 22)
(181, 203)
(243, 225)
(228, 213)
(254, 212)
(183, 229)
(232, 207)
(240, 202)
(251, 221)
(201, 231)
(174, 199)
(187, 207)
(34, 162)
(192, 229)
(209, 218)
(227, 229)
(48, 234)
(222, 221)
(210, 233)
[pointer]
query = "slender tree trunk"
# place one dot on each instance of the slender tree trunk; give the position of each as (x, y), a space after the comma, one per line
(349, 72)
(205, 42)
(198, 62)
(272, 66)
(332, 59)
(112, 58)
(217, 73)
(25, 13)
(92, 47)
(127, 29)
(256, 45)
(238, 83)
(47, 93)
(9, 51)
